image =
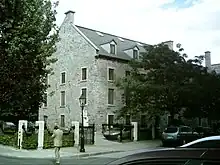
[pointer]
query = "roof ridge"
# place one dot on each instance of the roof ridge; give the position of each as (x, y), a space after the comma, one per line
(111, 34)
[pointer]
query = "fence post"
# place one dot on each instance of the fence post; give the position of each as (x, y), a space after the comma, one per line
(121, 127)
(135, 131)
(93, 133)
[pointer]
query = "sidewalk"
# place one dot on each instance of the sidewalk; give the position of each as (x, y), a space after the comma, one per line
(101, 146)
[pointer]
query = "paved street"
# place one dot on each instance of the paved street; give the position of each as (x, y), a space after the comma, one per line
(66, 161)
(98, 160)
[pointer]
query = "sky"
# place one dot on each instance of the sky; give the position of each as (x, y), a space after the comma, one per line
(192, 23)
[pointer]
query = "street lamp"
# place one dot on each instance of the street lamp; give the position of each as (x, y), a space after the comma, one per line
(82, 101)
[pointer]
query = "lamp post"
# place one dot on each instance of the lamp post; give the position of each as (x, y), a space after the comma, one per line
(82, 100)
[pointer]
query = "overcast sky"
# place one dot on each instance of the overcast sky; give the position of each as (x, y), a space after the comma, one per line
(193, 23)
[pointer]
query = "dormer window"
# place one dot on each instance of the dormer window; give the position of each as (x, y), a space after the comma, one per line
(112, 48)
(135, 54)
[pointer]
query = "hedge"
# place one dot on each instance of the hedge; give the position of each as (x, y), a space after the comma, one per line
(30, 140)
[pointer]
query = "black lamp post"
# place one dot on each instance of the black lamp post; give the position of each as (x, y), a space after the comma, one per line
(82, 100)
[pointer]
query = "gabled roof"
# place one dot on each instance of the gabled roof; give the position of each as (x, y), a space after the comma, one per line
(99, 40)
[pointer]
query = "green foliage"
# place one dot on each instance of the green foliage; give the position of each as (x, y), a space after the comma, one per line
(9, 139)
(28, 34)
(68, 140)
(164, 81)
(30, 142)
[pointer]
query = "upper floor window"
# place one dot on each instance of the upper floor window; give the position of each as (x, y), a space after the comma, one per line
(62, 98)
(111, 96)
(135, 54)
(84, 73)
(84, 93)
(62, 121)
(112, 48)
(45, 99)
(63, 77)
(111, 73)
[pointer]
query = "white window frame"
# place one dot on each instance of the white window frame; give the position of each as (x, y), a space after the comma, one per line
(47, 100)
(135, 49)
(113, 43)
(86, 94)
(114, 76)
(61, 78)
(62, 106)
(82, 73)
(64, 120)
(109, 114)
(113, 96)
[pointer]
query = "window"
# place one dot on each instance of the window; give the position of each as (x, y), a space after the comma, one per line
(110, 74)
(45, 100)
(112, 48)
(110, 119)
(63, 77)
(185, 129)
(62, 122)
(62, 99)
(127, 73)
(110, 96)
(206, 144)
(158, 161)
(84, 93)
(84, 73)
(135, 54)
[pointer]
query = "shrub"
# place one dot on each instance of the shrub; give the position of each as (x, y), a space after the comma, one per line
(30, 141)
(68, 140)
(9, 139)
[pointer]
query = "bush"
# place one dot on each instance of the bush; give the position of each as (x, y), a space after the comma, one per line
(9, 139)
(30, 141)
(68, 140)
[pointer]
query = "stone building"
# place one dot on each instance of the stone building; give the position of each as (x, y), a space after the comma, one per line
(209, 65)
(89, 62)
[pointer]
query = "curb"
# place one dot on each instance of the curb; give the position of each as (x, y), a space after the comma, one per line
(94, 154)
(9, 155)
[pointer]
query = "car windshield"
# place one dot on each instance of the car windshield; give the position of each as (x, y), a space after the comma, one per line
(171, 130)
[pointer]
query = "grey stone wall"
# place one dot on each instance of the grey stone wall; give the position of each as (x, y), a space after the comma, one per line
(73, 53)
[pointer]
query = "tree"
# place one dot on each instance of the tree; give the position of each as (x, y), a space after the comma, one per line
(164, 81)
(28, 34)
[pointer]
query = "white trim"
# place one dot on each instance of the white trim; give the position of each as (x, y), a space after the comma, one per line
(61, 78)
(114, 96)
(47, 100)
(114, 76)
(64, 119)
(113, 43)
(62, 106)
(84, 36)
(86, 94)
(86, 74)
(109, 114)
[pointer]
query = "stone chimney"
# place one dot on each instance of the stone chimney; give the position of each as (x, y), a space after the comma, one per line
(169, 44)
(70, 16)
(208, 59)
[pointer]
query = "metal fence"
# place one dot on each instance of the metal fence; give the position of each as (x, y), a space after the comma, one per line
(89, 134)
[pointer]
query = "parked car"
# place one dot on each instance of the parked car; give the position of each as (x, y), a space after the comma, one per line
(204, 131)
(171, 156)
(114, 134)
(207, 142)
(178, 135)
(9, 127)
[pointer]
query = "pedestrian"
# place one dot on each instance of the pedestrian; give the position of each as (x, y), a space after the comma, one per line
(58, 139)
